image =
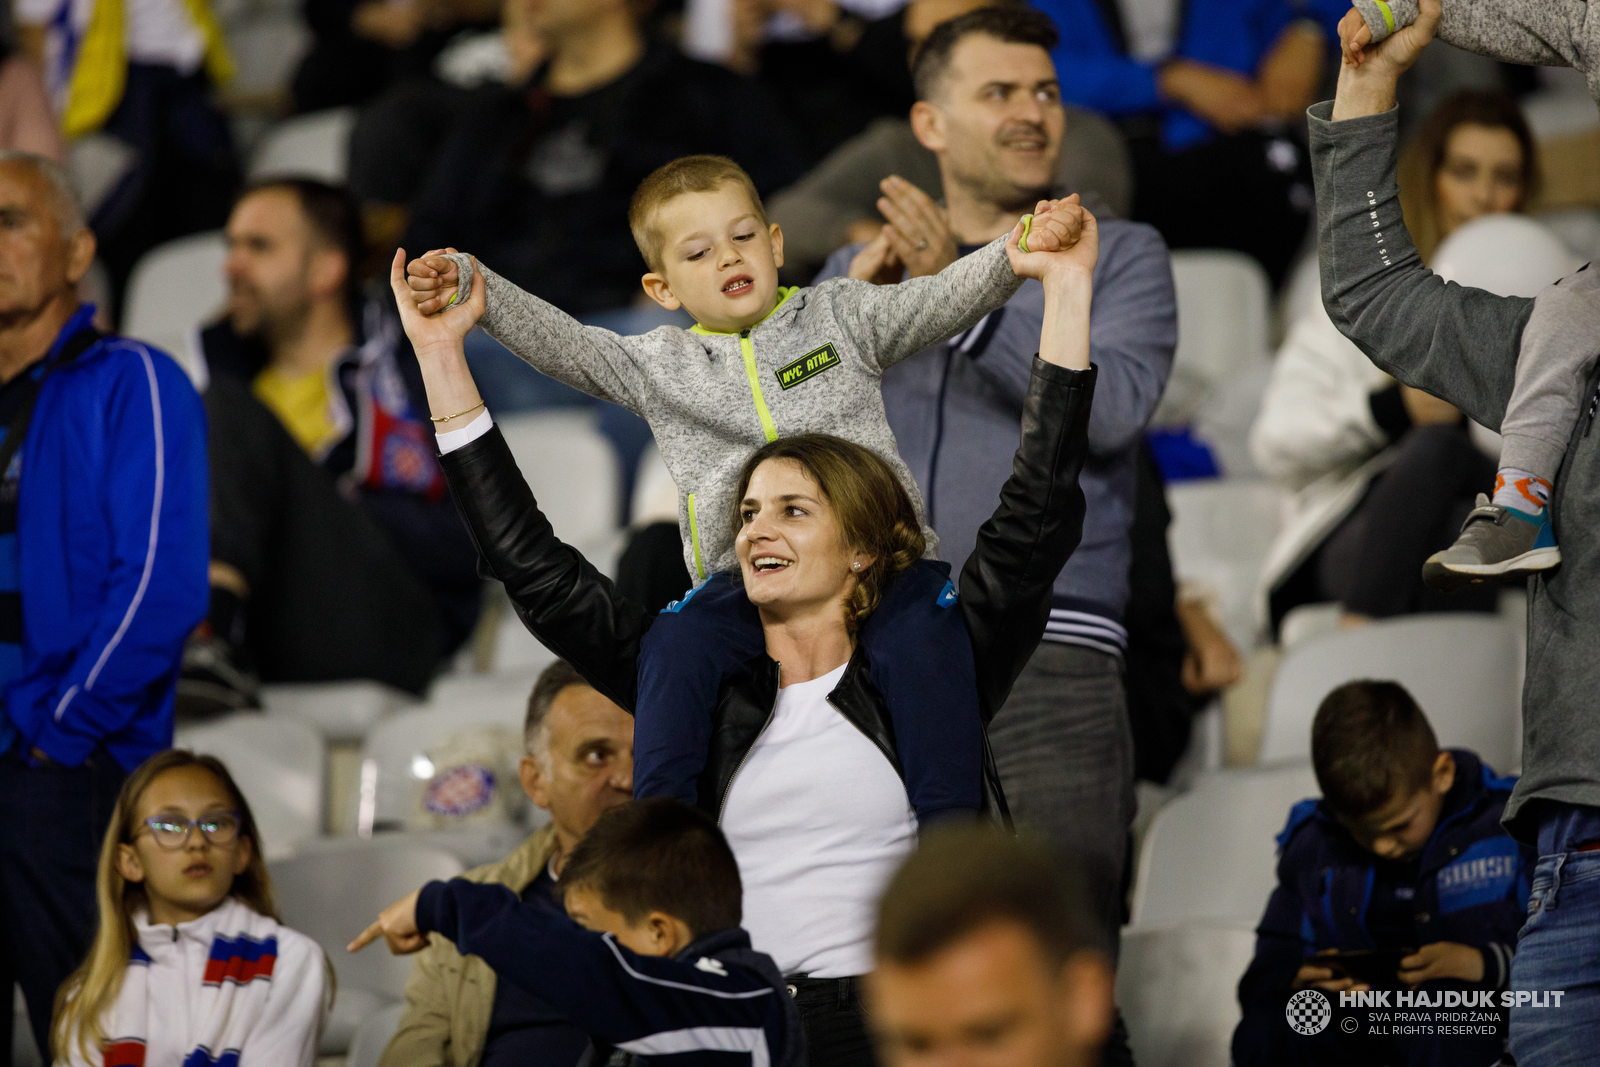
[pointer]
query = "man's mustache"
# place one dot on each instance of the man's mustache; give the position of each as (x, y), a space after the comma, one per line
(1018, 131)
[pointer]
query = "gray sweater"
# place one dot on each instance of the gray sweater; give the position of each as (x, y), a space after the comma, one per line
(813, 366)
(1461, 345)
(1545, 33)
(955, 409)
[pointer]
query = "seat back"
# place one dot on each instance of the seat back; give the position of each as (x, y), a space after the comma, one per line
(397, 747)
(1211, 853)
(1223, 300)
(1220, 535)
(307, 146)
(174, 288)
(278, 764)
(1462, 669)
(373, 1037)
(572, 470)
(332, 894)
(1175, 988)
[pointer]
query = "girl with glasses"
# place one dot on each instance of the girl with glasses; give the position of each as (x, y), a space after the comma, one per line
(190, 963)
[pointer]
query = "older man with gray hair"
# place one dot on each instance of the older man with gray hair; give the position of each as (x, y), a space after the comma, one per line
(577, 764)
(103, 530)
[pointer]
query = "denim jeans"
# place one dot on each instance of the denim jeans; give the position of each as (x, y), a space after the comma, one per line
(1559, 948)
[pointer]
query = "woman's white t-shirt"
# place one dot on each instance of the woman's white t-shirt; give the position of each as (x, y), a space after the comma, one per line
(819, 821)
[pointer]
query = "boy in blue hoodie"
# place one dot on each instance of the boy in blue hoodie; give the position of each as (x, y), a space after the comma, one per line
(1404, 851)
(652, 961)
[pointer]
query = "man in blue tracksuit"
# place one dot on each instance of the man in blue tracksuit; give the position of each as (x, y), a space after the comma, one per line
(103, 530)
(652, 961)
(1207, 91)
(1426, 869)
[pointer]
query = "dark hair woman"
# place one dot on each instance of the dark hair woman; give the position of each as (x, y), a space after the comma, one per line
(802, 765)
(1473, 156)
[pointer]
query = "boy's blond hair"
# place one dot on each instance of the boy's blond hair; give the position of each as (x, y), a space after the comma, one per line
(691, 174)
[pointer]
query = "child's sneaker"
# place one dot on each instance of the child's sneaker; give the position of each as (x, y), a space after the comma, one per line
(1494, 541)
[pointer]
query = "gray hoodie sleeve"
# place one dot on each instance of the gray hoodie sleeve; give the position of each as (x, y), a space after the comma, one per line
(1540, 32)
(596, 361)
(890, 323)
(1457, 343)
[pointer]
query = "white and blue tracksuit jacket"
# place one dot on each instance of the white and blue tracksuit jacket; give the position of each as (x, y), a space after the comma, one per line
(718, 1003)
(113, 539)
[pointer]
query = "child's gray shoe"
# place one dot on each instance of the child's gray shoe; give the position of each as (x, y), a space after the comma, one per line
(1495, 541)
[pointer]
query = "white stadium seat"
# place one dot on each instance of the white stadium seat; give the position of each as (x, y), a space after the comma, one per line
(307, 146)
(1211, 854)
(396, 750)
(278, 765)
(342, 711)
(331, 895)
(373, 1037)
(173, 289)
(267, 49)
(572, 470)
(1175, 988)
(1223, 302)
(1461, 667)
(1220, 534)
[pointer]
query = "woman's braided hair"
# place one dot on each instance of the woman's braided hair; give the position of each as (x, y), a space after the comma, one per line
(873, 508)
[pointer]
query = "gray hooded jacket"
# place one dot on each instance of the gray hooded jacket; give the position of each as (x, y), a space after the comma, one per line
(814, 365)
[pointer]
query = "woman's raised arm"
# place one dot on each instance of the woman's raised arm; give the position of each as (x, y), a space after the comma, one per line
(1007, 581)
(560, 596)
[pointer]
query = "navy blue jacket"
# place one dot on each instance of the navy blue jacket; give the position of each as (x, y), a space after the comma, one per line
(113, 532)
(1096, 71)
(1472, 889)
(718, 1003)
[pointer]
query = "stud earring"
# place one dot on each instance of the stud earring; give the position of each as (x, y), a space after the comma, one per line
(856, 565)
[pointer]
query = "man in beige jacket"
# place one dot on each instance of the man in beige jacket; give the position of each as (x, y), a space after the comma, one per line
(578, 762)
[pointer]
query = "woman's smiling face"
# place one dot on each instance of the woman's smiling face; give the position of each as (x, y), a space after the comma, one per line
(790, 545)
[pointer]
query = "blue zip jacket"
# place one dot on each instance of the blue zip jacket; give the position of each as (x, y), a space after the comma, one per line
(112, 528)
(1472, 888)
(1096, 71)
(718, 1003)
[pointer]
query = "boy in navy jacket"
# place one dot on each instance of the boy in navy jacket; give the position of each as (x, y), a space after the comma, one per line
(1404, 851)
(652, 963)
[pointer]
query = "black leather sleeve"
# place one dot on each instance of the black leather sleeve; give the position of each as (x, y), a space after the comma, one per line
(1007, 582)
(561, 598)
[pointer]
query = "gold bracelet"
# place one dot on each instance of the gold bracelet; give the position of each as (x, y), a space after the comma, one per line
(457, 415)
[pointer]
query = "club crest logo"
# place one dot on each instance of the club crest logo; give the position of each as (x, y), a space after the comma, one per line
(1309, 1012)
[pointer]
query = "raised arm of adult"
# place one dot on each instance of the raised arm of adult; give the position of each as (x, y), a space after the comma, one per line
(1367, 79)
(560, 596)
(1007, 582)
(1457, 343)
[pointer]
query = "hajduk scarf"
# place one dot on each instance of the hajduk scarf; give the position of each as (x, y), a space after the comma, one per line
(231, 1000)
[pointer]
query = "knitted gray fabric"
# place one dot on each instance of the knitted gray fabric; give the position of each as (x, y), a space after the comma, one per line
(463, 264)
(1383, 17)
(1545, 33)
(816, 365)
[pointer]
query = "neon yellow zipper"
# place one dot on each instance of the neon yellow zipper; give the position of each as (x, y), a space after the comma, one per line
(747, 349)
(694, 540)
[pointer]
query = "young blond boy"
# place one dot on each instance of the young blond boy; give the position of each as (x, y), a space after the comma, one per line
(761, 362)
